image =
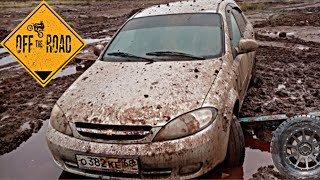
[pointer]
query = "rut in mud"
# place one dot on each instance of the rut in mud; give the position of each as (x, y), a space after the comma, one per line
(286, 82)
(287, 68)
(24, 105)
(297, 17)
(90, 19)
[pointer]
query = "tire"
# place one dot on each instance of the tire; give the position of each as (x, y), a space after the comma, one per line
(295, 147)
(236, 145)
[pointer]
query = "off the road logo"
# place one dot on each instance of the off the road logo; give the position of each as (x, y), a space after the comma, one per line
(43, 43)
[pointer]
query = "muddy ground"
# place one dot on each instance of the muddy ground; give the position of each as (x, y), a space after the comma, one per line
(24, 104)
(287, 70)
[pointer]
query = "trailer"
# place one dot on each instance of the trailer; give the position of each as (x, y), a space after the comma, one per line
(295, 145)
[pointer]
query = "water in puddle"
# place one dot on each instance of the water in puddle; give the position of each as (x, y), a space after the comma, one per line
(25, 126)
(32, 160)
(306, 33)
(90, 41)
(7, 60)
(257, 155)
(15, 67)
(281, 86)
(283, 45)
(66, 72)
(2, 50)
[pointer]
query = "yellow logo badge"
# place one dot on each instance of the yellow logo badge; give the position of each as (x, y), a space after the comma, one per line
(43, 43)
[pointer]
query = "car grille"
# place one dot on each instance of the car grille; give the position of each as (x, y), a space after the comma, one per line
(112, 132)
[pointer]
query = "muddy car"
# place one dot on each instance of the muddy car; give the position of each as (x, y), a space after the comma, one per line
(163, 98)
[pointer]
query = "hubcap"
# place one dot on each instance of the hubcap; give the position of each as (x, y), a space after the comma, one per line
(305, 149)
(302, 149)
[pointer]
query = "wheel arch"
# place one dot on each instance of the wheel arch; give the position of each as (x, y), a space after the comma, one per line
(236, 108)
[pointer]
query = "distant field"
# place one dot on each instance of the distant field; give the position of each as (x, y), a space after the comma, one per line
(245, 4)
(28, 3)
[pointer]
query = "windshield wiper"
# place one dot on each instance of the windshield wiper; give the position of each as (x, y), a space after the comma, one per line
(172, 53)
(123, 54)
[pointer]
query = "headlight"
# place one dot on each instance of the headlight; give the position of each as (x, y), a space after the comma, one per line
(187, 124)
(59, 121)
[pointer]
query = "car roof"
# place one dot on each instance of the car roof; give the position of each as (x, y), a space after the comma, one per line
(189, 6)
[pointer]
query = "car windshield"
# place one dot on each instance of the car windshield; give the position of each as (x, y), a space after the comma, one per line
(191, 36)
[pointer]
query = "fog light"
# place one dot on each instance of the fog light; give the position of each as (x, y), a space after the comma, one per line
(190, 169)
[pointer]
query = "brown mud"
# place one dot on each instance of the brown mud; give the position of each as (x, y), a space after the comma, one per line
(22, 99)
(88, 18)
(287, 80)
(294, 18)
(24, 102)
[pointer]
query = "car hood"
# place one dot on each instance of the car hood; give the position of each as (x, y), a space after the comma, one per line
(137, 93)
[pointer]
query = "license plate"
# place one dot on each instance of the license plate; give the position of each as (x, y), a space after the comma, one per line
(108, 164)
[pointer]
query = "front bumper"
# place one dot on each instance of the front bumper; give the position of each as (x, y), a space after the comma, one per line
(156, 159)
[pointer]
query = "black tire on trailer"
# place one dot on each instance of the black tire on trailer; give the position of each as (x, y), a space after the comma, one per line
(236, 145)
(295, 147)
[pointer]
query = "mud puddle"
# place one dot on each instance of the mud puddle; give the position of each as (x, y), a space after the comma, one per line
(258, 163)
(66, 72)
(257, 158)
(31, 160)
(11, 68)
(91, 41)
(286, 81)
(34, 156)
(2, 50)
(306, 33)
(7, 60)
(283, 45)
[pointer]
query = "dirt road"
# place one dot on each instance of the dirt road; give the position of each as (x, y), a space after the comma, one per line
(287, 72)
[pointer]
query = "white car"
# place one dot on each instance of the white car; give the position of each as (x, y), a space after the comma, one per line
(163, 98)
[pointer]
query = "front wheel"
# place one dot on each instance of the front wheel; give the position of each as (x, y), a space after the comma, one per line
(295, 147)
(236, 145)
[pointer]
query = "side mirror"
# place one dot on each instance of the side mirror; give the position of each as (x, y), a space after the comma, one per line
(97, 50)
(247, 45)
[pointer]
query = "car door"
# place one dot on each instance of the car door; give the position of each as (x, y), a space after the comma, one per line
(238, 28)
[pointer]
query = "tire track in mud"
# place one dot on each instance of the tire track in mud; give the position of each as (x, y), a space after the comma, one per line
(287, 82)
(24, 105)
(22, 101)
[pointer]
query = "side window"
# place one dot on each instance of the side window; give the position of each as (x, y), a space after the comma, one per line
(236, 34)
(240, 20)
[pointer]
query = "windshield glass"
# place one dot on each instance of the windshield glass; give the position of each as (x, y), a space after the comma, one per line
(194, 35)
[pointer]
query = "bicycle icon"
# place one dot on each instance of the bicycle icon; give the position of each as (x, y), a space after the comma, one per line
(37, 27)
